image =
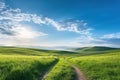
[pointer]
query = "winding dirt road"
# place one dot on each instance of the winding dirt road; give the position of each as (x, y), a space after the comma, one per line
(80, 75)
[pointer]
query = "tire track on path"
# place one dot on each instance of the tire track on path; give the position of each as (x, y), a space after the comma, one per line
(79, 74)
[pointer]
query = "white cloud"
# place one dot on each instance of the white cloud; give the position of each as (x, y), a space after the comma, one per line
(17, 16)
(26, 33)
(111, 40)
(78, 26)
(88, 39)
(2, 6)
(113, 35)
(14, 32)
(23, 35)
(54, 24)
(73, 26)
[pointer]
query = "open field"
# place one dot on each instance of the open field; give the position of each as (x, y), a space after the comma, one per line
(99, 67)
(38, 64)
(33, 52)
(62, 71)
(24, 67)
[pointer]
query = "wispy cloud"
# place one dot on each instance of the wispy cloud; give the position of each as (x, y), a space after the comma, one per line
(2, 6)
(13, 29)
(111, 40)
(77, 26)
(113, 35)
(89, 40)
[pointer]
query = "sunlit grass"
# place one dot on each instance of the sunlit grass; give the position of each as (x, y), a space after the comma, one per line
(32, 64)
(99, 67)
(62, 71)
(23, 67)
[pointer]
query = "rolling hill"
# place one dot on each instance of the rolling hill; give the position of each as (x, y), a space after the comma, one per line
(42, 52)
(95, 50)
(31, 51)
(30, 64)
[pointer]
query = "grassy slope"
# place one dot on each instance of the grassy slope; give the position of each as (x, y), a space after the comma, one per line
(19, 64)
(94, 50)
(24, 67)
(100, 67)
(103, 66)
(30, 51)
(41, 52)
(62, 71)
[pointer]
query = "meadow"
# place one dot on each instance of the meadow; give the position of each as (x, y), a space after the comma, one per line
(37, 64)
(62, 71)
(99, 67)
(24, 67)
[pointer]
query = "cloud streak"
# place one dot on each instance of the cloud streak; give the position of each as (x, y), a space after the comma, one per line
(2, 6)
(113, 35)
(111, 40)
(78, 26)
(13, 29)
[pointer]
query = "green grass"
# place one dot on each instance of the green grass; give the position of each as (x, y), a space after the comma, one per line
(31, 64)
(95, 48)
(33, 52)
(86, 51)
(62, 71)
(99, 67)
(19, 51)
(24, 67)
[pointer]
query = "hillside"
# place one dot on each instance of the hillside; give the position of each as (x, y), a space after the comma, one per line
(42, 52)
(31, 51)
(95, 50)
(104, 66)
(38, 63)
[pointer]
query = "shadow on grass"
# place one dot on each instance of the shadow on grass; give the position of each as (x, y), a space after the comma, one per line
(35, 72)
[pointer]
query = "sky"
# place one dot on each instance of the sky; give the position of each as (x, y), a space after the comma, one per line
(55, 23)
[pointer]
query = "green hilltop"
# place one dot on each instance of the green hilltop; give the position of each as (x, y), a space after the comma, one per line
(96, 63)
(32, 51)
(43, 52)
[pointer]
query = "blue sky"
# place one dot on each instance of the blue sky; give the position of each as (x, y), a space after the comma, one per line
(50, 23)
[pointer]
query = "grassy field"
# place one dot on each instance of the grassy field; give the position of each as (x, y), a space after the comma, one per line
(32, 64)
(62, 71)
(33, 52)
(99, 67)
(24, 67)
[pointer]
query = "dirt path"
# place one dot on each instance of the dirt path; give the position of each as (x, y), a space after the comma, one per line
(46, 74)
(80, 75)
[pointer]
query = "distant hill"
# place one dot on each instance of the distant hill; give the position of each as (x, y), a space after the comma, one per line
(41, 52)
(95, 49)
(31, 51)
